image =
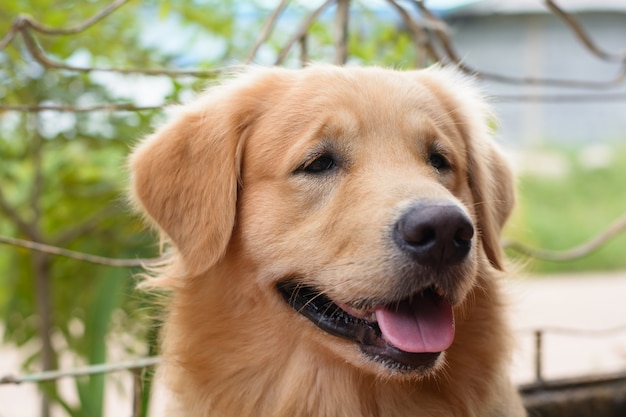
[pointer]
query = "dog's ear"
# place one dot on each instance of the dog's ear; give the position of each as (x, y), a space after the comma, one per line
(492, 184)
(185, 175)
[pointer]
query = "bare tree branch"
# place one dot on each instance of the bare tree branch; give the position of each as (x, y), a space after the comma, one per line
(304, 52)
(84, 371)
(99, 260)
(38, 54)
(610, 331)
(577, 252)
(23, 22)
(559, 98)
(583, 37)
(22, 225)
(341, 31)
(302, 30)
(34, 108)
(421, 41)
(36, 151)
(137, 391)
(8, 38)
(266, 31)
(451, 54)
(81, 26)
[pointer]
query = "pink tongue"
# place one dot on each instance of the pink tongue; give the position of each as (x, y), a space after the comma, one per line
(426, 324)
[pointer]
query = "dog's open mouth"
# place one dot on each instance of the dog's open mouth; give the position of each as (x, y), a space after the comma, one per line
(404, 335)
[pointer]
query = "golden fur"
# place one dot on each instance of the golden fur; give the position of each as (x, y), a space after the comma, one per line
(223, 180)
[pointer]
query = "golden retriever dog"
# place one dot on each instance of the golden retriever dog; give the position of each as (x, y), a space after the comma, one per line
(335, 251)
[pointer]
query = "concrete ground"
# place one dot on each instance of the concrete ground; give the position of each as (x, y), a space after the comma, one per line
(585, 318)
(591, 303)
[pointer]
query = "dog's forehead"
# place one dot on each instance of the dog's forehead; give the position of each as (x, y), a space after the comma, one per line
(354, 106)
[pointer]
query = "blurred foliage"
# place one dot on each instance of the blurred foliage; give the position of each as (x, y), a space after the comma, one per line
(571, 206)
(63, 174)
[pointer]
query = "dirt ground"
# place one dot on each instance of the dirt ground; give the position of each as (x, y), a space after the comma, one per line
(584, 302)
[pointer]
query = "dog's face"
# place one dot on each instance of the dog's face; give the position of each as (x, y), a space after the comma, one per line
(364, 200)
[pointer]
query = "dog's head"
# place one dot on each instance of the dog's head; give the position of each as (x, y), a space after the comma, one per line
(366, 200)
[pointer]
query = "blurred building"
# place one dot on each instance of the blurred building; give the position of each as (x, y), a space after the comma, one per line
(522, 38)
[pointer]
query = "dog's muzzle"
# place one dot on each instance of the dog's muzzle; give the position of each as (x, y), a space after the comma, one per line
(405, 334)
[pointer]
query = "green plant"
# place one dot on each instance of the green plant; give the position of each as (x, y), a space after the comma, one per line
(559, 212)
(62, 183)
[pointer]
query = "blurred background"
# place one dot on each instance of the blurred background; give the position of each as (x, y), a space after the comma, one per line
(81, 82)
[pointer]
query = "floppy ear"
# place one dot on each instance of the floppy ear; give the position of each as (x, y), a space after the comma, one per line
(492, 184)
(185, 176)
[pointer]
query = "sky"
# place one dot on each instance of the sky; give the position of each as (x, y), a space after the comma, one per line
(434, 4)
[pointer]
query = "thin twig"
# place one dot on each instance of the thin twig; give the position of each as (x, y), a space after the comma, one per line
(23, 22)
(34, 108)
(559, 98)
(451, 54)
(304, 51)
(137, 392)
(29, 21)
(341, 31)
(577, 252)
(266, 31)
(8, 38)
(570, 331)
(20, 223)
(421, 40)
(39, 55)
(302, 30)
(99, 260)
(83, 371)
(583, 37)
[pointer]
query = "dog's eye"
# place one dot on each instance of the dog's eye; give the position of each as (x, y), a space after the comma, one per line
(438, 161)
(320, 164)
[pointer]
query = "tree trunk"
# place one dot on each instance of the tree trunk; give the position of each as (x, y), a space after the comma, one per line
(41, 264)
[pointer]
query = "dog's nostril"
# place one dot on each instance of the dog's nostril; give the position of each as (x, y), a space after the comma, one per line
(435, 233)
(417, 234)
(464, 234)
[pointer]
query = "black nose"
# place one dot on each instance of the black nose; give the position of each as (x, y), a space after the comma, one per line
(435, 233)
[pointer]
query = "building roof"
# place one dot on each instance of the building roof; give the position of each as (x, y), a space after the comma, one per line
(481, 7)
